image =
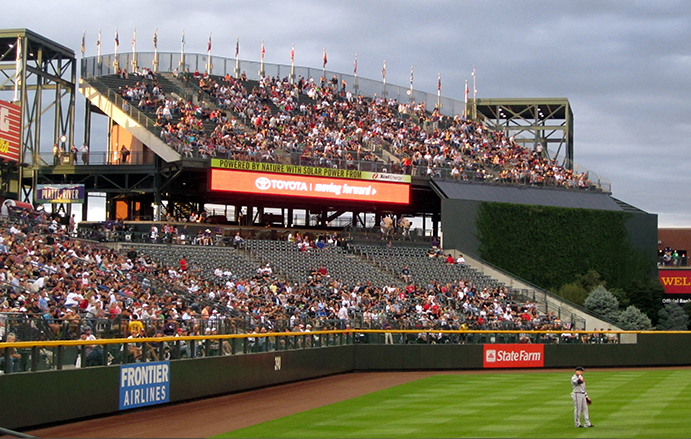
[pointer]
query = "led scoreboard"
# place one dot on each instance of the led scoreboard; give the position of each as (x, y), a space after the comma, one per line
(309, 182)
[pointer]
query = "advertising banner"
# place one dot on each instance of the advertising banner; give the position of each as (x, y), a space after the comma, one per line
(143, 384)
(262, 183)
(513, 355)
(59, 193)
(676, 281)
(10, 128)
(279, 168)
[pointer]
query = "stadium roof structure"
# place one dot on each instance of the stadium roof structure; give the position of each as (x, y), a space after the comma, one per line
(532, 122)
(528, 195)
(50, 49)
(39, 75)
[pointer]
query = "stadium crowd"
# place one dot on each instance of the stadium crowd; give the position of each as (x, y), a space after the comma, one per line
(329, 126)
(74, 284)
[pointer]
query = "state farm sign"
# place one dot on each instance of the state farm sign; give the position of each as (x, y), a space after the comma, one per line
(513, 355)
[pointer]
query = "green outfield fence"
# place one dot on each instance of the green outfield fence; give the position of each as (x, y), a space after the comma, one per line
(68, 354)
(50, 387)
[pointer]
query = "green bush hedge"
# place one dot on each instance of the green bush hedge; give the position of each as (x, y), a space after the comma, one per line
(550, 246)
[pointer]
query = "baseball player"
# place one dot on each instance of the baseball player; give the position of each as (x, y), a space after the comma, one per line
(580, 399)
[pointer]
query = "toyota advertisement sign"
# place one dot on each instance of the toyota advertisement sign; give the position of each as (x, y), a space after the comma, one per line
(262, 183)
(513, 356)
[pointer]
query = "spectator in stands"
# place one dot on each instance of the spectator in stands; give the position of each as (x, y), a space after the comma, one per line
(124, 154)
(84, 151)
(461, 260)
(405, 274)
(14, 356)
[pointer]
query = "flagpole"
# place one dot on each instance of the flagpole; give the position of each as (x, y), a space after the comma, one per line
(237, 58)
(156, 50)
(208, 56)
(261, 65)
(411, 99)
(474, 96)
(465, 108)
(182, 52)
(134, 50)
(439, 91)
(116, 63)
(99, 61)
(324, 65)
(292, 64)
(355, 83)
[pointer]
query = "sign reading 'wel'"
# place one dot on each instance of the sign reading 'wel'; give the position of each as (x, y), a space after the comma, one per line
(513, 355)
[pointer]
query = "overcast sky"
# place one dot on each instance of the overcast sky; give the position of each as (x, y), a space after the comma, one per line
(624, 65)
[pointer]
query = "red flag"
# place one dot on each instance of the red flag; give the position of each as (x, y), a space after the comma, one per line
(208, 46)
(263, 51)
(324, 64)
(292, 54)
(466, 91)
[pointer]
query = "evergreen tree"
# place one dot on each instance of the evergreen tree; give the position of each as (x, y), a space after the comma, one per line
(603, 303)
(646, 296)
(633, 319)
(573, 293)
(673, 318)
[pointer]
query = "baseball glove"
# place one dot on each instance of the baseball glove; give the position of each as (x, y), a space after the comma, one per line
(588, 400)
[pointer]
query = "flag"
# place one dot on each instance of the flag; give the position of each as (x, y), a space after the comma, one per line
(183, 38)
(292, 54)
(324, 63)
(117, 39)
(355, 65)
(83, 42)
(98, 42)
(263, 51)
(383, 71)
(466, 91)
(439, 83)
(208, 46)
(156, 39)
(134, 40)
(411, 77)
(237, 47)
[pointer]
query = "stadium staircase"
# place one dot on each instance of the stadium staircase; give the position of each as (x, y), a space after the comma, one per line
(103, 93)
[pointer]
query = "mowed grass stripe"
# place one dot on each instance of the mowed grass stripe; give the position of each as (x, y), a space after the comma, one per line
(654, 403)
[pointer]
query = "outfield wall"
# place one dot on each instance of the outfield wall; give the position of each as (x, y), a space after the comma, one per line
(31, 399)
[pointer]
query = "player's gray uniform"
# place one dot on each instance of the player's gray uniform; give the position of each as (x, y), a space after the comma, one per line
(579, 405)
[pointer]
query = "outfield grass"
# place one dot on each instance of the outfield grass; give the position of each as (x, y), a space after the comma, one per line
(626, 404)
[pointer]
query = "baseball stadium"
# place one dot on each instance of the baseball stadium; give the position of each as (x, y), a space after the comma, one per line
(306, 253)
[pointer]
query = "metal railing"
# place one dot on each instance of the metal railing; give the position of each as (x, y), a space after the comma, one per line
(96, 158)
(18, 356)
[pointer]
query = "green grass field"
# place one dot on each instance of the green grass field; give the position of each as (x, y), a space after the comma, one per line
(625, 404)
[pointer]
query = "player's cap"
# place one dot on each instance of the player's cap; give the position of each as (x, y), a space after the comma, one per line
(580, 368)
